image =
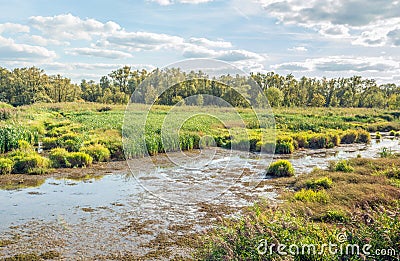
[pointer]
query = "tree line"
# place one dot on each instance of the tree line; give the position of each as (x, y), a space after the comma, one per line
(23, 86)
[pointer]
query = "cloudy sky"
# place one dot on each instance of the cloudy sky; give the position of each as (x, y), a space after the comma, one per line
(88, 39)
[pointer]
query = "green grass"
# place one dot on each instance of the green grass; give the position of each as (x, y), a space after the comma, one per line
(74, 126)
(361, 204)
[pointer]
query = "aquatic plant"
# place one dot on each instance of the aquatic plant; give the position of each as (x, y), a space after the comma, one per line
(6, 165)
(344, 166)
(98, 152)
(79, 159)
(281, 168)
(30, 163)
(309, 195)
(324, 182)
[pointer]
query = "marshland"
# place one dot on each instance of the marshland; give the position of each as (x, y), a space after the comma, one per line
(75, 181)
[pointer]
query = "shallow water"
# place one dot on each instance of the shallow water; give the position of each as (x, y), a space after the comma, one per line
(117, 214)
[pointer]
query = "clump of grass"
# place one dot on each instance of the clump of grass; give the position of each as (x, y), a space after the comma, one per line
(349, 137)
(6, 166)
(49, 143)
(392, 133)
(30, 163)
(335, 216)
(71, 142)
(59, 158)
(324, 182)
(386, 153)
(79, 159)
(378, 136)
(309, 195)
(98, 152)
(281, 168)
(284, 145)
(363, 136)
(342, 165)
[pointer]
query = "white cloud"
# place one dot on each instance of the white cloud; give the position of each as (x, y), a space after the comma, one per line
(169, 2)
(342, 64)
(103, 53)
(13, 28)
(298, 49)
(10, 50)
(137, 41)
(40, 40)
(69, 27)
(194, 51)
(208, 43)
(366, 22)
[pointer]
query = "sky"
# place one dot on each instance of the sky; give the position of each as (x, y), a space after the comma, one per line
(314, 38)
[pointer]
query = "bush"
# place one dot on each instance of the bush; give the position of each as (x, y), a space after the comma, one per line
(6, 166)
(281, 168)
(363, 136)
(79, 159)
(301, 141)
(335, 216)
(319, 183)
(349, 137)
(317, 141)
(308, 195)
(71, 142)
(392, 133)
(97, 151)
(59, 158)
(31, 163)
(105, 108)
(378, 136)
(49, 143)
(284, 145)
(343, 166)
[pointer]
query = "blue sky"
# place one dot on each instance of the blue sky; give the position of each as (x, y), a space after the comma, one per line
(88, 39)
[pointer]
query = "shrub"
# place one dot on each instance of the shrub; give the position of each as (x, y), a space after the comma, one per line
(6, 166)
(105, 108)
(378, 136)
(71, 142)
(49, 143)
(335, 216)
(301, 141)
(284, 145)
(317, 141)
(319, 183)
(363, 136)
(392, 133)
(343, 166)
(97, 151)
(31, 163)
(281, 168)
(349, 137)
(334, 139)
(59, 158)
(79, 159)
(308, 195)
